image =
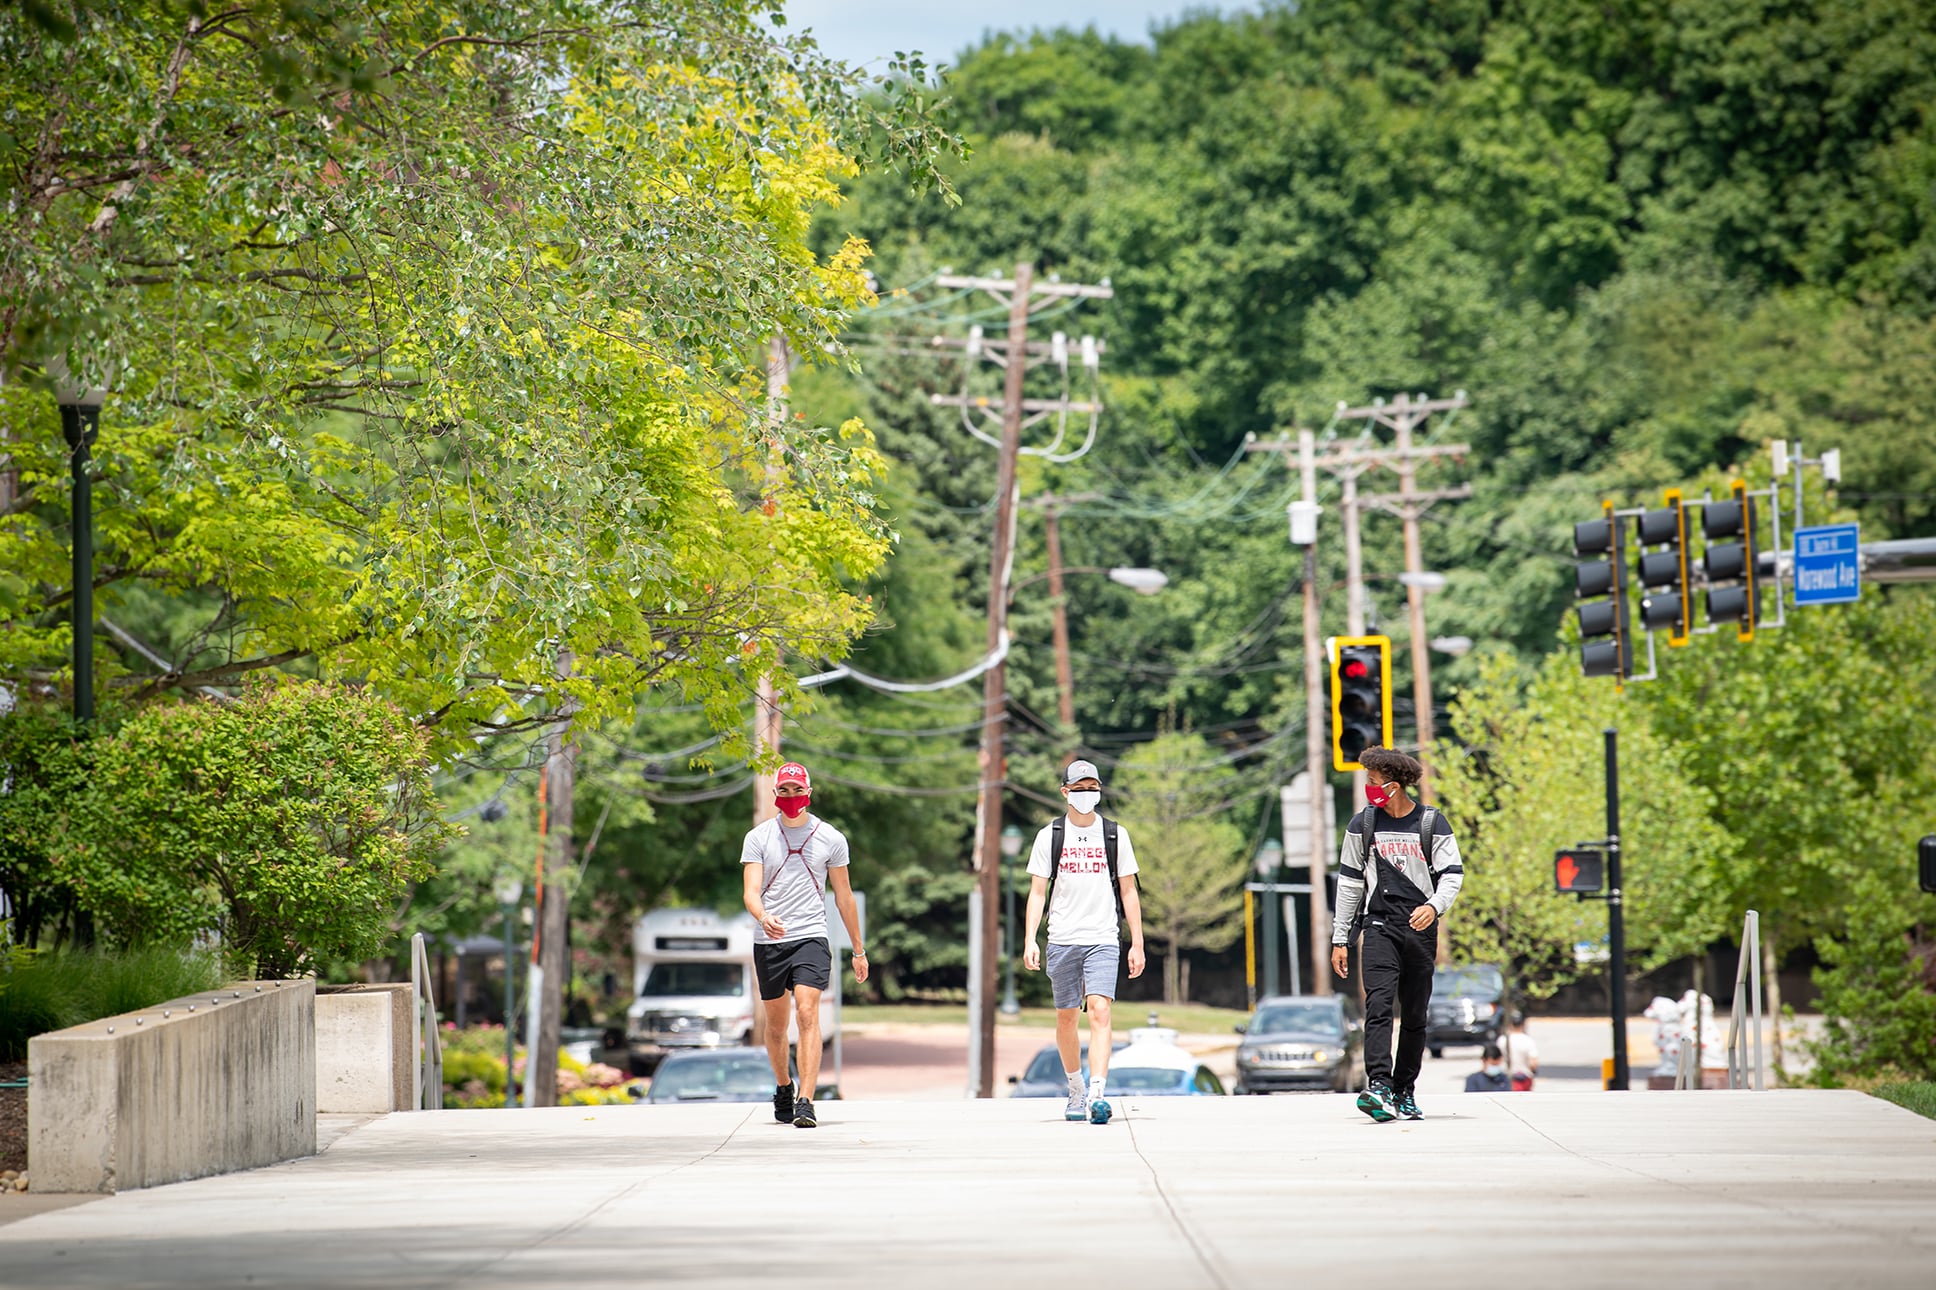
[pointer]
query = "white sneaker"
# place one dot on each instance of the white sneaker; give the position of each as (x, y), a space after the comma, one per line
(1078, 1108)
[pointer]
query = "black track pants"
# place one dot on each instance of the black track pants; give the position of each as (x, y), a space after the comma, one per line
(1397, 964)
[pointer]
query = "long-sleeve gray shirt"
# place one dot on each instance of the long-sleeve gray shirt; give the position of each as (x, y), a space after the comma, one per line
(1381, 886)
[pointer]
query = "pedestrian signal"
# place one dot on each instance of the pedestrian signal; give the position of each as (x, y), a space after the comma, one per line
(1361, 698)
(1579, 872)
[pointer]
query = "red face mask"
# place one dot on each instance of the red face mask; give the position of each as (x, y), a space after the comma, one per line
(794, 806)
(1378, 794)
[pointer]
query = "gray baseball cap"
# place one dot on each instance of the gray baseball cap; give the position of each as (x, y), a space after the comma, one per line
(1079, 770)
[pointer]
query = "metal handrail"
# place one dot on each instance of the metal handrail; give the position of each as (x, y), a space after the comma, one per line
(1747, 980)
(427, 1082)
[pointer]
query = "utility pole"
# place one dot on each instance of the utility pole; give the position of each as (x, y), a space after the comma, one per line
(1065, 681)
(1404, 416)
(554, 908)
(1304, 530)
(1020, 294)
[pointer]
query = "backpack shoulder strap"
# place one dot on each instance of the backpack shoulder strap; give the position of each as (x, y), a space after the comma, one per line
(1110, 846)
(1427, 826)
(1058, 833)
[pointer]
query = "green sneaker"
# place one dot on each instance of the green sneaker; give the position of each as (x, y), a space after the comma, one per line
(1376, 1102)
(1407, 1106)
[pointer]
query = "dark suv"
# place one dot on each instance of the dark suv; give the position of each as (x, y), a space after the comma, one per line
(1467, 1007)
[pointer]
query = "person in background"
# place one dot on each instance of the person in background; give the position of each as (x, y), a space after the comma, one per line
(1491, 1076)
(1522, 1054)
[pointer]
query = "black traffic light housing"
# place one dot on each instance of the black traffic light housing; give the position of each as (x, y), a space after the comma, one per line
(1580, 872)
(1361, 698)
(1729, 561)
(1604, 577)
(1926, 863)
(1667, 604)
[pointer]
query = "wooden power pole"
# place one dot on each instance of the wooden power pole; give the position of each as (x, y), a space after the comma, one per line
(1021, 294)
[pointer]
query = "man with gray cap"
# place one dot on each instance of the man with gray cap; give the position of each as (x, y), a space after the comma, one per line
(1083, 869)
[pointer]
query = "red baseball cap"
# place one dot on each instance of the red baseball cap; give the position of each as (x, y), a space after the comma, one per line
(793, 773)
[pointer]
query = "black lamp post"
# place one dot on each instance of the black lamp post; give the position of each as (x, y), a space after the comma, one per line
(80, 409)
(1011, 847)
(509, 891)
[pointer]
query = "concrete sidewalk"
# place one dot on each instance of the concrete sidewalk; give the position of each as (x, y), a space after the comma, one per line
(1712, 1189)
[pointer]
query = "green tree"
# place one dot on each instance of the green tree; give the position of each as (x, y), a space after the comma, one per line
(1526, 778)
(1878, 996)
(429, 341)
(287, 824)
(1190, 861)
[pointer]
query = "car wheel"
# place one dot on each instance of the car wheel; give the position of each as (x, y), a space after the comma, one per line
(1437, 1053)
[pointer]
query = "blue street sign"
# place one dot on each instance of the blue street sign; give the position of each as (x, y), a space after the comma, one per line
(1828, 565)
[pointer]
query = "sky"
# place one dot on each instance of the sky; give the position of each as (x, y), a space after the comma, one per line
(864, 31)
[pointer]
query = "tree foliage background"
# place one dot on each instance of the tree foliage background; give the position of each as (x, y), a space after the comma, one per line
(1645, 237)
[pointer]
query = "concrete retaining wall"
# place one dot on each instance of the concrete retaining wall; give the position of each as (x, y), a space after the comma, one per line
(200, 1085)
(365, 1048)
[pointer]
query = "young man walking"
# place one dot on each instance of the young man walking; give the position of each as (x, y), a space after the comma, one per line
(787, 863)
(1399, 874)
(1083, 869)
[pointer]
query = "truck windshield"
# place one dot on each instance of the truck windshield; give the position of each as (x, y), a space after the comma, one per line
(707, 980)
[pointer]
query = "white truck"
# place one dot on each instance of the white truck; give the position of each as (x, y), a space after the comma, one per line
(693, 986)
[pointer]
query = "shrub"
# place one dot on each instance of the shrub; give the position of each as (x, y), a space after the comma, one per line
(288, 823)
(1878, 1013)
(51, 991)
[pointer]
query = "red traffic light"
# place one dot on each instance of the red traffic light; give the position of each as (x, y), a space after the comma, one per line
(1356, 669)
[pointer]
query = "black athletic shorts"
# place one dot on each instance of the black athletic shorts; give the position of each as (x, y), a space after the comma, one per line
(781, 967)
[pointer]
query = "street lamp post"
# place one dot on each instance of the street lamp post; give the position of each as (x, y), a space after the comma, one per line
(1270, 858)
(80, 409)
(1011, 848)
(509, 891)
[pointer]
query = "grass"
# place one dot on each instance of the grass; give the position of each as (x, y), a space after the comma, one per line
(1190, 1018)
(51, 991)
(1918, 1095)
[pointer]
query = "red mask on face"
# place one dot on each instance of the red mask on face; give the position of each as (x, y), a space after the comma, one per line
(793, 807)
(1379, 794)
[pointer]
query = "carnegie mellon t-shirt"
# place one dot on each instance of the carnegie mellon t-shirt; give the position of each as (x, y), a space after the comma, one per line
(1082, 908)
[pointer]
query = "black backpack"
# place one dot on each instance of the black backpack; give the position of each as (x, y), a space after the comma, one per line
(1058, 832)
(1368, 823)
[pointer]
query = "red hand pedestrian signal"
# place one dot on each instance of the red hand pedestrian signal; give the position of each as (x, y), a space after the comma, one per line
(1578, 871)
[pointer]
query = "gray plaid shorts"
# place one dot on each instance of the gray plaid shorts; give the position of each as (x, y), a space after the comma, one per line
(1077, 971)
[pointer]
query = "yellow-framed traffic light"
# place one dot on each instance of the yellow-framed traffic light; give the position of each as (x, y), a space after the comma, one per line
(1361, 698)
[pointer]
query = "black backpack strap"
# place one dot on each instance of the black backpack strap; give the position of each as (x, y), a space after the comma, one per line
(1109, 849)
(1057, 833)
(1367, 826)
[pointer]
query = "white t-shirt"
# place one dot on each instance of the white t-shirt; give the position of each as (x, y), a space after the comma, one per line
(1082, 908)
(793, 877)
(1521, 1052)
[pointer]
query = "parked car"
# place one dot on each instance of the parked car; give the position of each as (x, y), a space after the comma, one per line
(1153, 1064)
(1302, 1041)
(720, 1075)
(1044, 1076)
(1467, 1007)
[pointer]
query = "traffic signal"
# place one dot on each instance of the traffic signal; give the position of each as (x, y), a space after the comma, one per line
(1729, 561)
(1361, 698)
(1926, 864)
(1667, 604)
(1604, 577)
(1579, 872)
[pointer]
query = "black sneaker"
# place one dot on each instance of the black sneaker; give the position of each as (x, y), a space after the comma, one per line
(1407, 1106)
(782, 1103)
(803, 1114)
(1376, 1102)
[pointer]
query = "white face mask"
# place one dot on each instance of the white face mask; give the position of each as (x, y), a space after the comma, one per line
(1495, 1071)
(1085, 801)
